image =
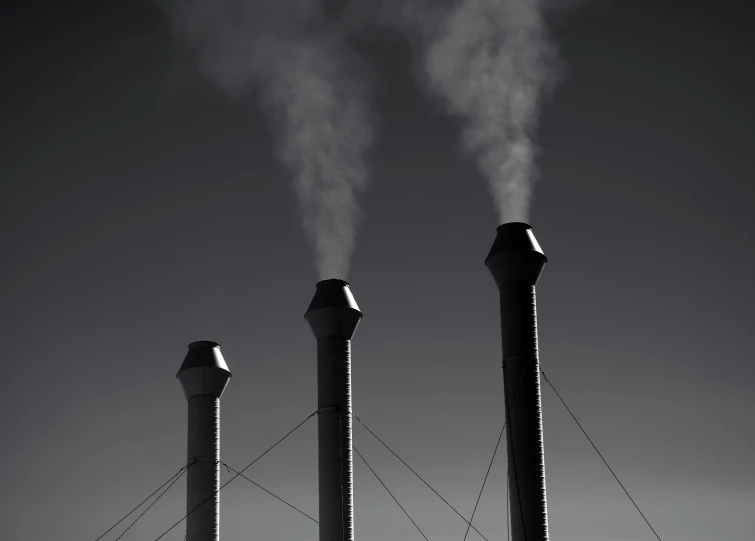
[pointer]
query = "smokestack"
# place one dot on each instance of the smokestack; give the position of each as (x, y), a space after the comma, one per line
(515, 261)
(203, 376)
(333, 316)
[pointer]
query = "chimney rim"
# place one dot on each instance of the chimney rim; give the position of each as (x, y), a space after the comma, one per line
(515, 224)
(203, 343)
(338, 281)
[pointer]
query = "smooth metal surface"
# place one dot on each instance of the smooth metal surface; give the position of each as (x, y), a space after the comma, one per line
(516, 261)
(333, 316)
(204, 376)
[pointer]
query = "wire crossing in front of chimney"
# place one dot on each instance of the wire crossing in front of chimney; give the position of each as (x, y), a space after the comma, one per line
(166, 486)
(238, 474)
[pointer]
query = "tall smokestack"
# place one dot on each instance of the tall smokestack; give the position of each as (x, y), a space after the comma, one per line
(203, 376)
(333, 316)
(515, 261)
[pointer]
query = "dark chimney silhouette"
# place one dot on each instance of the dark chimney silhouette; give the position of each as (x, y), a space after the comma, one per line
(333, 316)
(515, 261)
(203, 376)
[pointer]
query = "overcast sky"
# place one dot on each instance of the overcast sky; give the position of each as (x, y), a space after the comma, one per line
(142, 210)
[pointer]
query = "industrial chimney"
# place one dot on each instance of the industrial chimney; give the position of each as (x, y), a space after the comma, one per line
(333, 316)
(204, 376)
(515, 261)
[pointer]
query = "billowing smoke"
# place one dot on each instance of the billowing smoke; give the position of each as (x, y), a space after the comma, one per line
(490, 62)
(294, 55)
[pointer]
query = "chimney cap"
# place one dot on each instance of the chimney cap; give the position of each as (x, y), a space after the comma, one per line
(515, 236)
(333, 310)
(204, 370)
(516, 255)
(332, 293)
(204, 353)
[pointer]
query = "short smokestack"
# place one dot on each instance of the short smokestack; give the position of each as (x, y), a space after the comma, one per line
(515, 261)
(333, 316)
(204, 376)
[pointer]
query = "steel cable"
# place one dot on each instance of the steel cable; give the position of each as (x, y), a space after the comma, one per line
(391, 493)
(237, 475)
(495, 451)
(273, 495)
(178, 473)
(418, 476)
(601, 456)
(156, 500)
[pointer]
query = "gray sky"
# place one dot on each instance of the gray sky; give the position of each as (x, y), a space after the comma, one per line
(143, 210)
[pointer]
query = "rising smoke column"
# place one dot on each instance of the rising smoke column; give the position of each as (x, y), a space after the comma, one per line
(490, 62)
(313, 87)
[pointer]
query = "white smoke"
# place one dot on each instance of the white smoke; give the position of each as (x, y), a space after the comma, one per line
(490, 62)
(312, 84)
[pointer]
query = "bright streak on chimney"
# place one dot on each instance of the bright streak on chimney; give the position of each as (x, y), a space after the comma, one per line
(204, 376)
(515, 261)
(333, 316)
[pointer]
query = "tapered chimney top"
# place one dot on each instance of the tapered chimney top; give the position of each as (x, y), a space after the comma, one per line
(204, 371)
(333, 310)
(516, 255)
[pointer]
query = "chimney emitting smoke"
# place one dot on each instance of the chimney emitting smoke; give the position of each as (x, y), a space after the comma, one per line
(333, 316)
(204, 376)
(516, 261)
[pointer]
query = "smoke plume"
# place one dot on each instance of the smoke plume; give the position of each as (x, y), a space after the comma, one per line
(294, 55)
(490, 63)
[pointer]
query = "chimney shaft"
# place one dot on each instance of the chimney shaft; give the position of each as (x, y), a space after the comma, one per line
(333, 316)
(515, 261)
(203, 376)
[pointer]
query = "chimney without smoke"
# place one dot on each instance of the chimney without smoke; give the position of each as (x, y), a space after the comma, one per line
(333, 316)
(204, 376)
(515, 261)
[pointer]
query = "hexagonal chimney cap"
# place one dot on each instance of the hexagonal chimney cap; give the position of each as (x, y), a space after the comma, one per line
(204, 370)
(516, 255)
(333, 310)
